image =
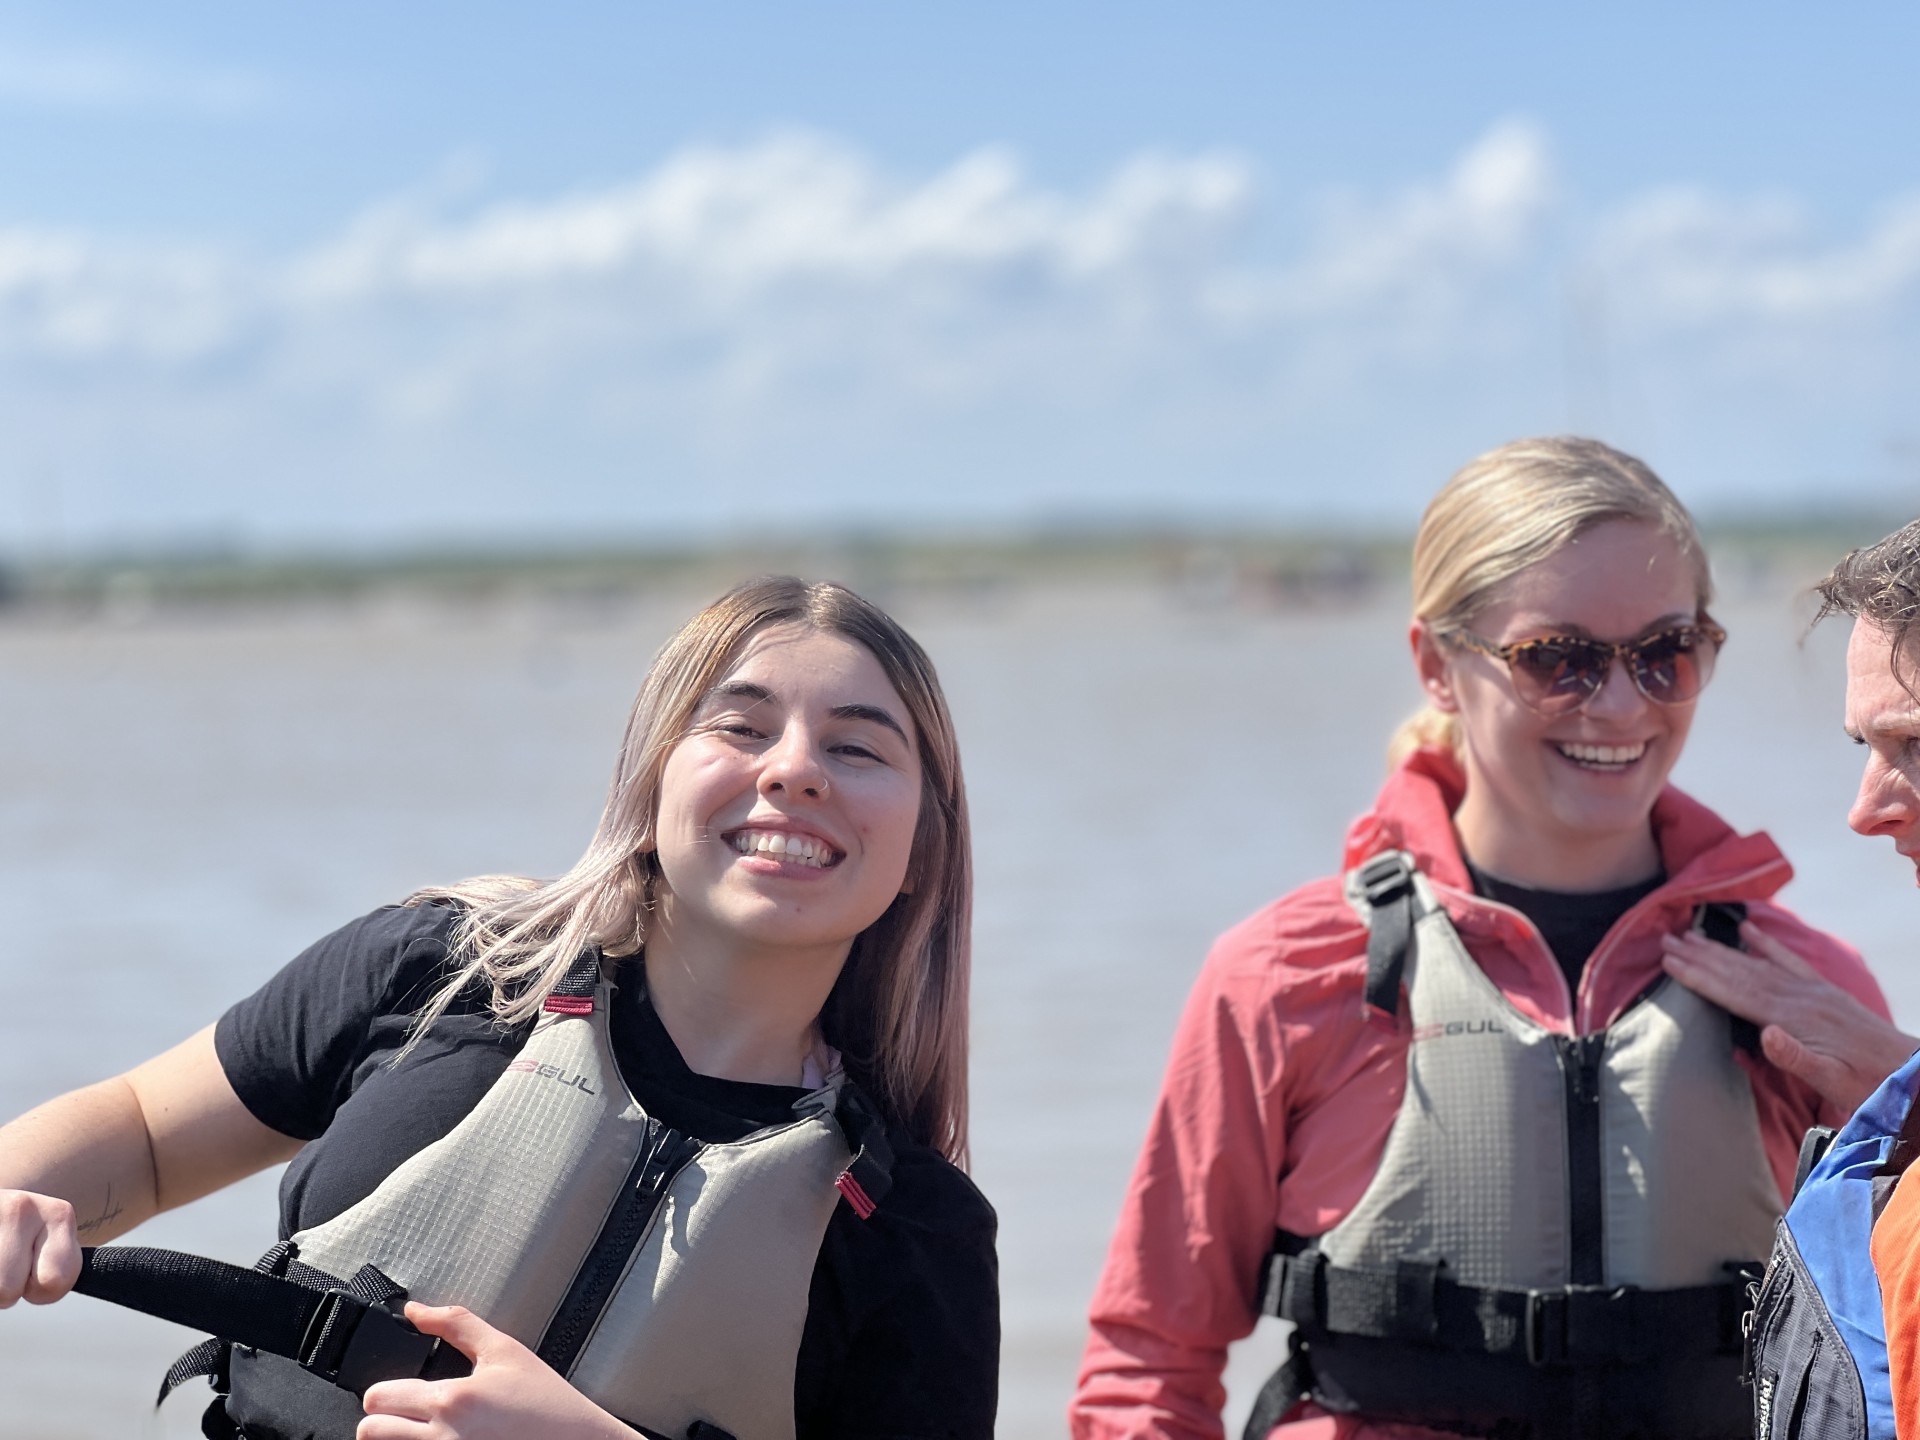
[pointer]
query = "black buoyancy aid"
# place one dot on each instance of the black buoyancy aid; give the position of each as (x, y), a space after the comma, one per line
(1819, 1365)
(1553, 1244)
(667, 1278)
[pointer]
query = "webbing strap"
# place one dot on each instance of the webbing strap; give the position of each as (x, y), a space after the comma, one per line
(1565, 1325)
(1285, 1388)
(871, 1169)
(1386, 883)
(345, 1338)
(1720, 921)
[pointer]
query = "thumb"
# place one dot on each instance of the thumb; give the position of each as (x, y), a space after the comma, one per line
(459, 1327)
(1793, 1057)
(1831, 1079)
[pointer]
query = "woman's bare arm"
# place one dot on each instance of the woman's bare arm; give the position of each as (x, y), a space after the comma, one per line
(92, 1164)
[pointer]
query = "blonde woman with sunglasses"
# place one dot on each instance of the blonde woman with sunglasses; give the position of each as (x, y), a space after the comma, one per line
(1444, 1111)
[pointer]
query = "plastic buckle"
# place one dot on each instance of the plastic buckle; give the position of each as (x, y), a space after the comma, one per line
(1546, 1327)
(1385, 878)
(355, 1345)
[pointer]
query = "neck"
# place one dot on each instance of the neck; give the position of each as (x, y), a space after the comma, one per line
(739, 1012)
(1543, 858)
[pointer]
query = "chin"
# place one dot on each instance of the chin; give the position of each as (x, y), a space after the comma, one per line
(1605, 820)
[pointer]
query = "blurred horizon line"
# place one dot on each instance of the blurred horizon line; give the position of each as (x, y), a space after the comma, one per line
(1209, 560)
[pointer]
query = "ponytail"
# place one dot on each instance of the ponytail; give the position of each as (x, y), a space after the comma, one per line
(1427, 728)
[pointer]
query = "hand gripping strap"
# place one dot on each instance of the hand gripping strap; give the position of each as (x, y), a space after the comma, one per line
(1386, 884)
(348, 1339)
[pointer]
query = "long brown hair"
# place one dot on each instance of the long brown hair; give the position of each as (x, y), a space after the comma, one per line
(898, 1011)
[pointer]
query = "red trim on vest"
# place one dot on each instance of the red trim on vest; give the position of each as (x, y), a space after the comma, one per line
(569, 1004)
(856, 1197)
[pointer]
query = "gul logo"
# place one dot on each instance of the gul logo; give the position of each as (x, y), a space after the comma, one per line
(552, 1072)
(1451, 1028)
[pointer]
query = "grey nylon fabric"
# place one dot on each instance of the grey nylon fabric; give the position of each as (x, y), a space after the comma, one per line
(1475, 1167)
(499, 1214)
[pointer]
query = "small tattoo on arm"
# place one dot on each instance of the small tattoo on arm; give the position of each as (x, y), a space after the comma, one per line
(109, 1212)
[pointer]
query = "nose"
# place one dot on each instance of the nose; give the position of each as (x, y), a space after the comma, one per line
(1887, 803)
(793, 766)
(1617, 695)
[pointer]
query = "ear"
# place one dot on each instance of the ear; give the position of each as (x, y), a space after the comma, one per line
(1434, 664)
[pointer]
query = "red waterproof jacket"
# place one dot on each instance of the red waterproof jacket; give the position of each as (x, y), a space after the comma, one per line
(1279, 1095)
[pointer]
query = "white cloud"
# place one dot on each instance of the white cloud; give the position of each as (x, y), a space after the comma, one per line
(795, 208)
(1692, 257)
(966, 336)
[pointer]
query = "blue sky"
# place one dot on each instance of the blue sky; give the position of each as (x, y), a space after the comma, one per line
(393, 274)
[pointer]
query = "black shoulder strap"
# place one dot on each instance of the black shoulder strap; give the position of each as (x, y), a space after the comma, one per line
(869, 1175)
(1386, 883)
(1720, 920)
(1906, 1145)
(344, 1333)
(575, 993)
(1813, 1149)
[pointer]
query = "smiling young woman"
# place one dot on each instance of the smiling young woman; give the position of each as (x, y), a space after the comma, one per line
(669, 1145)
(1443, 1111)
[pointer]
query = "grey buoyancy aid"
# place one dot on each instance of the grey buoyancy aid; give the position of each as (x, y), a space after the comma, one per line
(1554, 1240)
(665, 1277)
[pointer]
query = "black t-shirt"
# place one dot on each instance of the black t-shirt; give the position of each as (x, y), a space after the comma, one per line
(1572, 924)
(903, 1331)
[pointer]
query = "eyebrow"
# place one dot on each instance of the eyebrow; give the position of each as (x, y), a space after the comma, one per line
(1901, 726)
(760, 694)
(1664, 623)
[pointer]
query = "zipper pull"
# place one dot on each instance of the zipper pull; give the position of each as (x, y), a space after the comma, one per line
(1580, 1057)
(668, 1149)
(1593, 1049)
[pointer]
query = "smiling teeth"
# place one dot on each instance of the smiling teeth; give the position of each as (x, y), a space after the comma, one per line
(1604, 754)
(794, 849)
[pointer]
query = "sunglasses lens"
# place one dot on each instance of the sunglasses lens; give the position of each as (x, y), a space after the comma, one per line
(1557, 676)
(1674, 668)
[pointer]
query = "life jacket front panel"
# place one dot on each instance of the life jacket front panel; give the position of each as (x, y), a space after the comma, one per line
(1688, 1186)
(508, 1211)
(732, 1228)
(1474, 1172)
(1551, 1244)
(497, 1214)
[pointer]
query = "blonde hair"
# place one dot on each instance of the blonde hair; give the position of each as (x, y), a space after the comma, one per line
(898, 1011)
(1509, 510)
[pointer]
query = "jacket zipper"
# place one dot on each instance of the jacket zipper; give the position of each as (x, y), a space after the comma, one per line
(1578, 1003)
(1580, 1058)
(664, 1153)
(1695, 894)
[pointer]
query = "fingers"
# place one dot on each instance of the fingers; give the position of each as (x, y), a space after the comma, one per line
(393, 1427)
(1712, 970)
(459, 1327)
(39, 1248)
(1758, 942)
(57, 1265)
(417, 1400)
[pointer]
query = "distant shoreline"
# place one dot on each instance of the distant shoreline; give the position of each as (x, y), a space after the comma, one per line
(1261, 568)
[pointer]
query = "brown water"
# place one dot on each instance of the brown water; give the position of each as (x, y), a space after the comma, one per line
(185, 803)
